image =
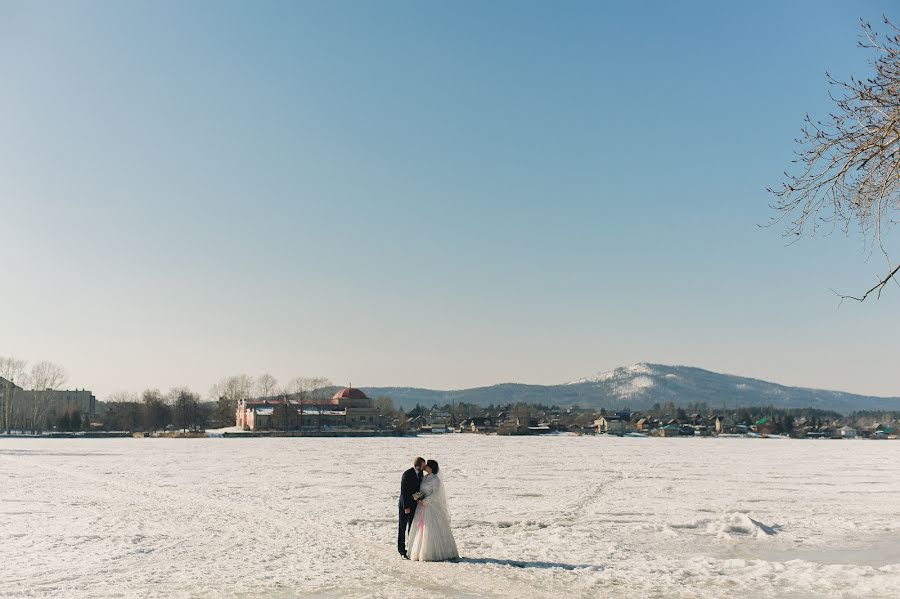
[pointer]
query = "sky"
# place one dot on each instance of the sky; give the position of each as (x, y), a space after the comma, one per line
(431, 194)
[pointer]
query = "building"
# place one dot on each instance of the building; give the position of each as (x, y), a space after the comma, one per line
(54, 400)
(423, 420)
(7, 388)
(669, 430)
(847, 432)
(349, 408)
(478, 425)
(612, 425)
(723, 424)
(441, 422)
(765, 427)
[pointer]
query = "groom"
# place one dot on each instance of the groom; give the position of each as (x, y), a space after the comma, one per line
(409, 485)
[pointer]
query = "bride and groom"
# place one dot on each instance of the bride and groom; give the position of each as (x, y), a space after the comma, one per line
(424, 533)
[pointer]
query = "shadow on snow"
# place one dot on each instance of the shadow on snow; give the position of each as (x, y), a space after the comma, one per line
(526, 564)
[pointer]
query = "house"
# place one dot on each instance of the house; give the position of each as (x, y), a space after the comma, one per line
(686, 430)
(764, 426)
(478, 424)
(424, 420)
(441, 422)
(418, 423)
(430, 425)
(701, 430)
(818, 434)
(721, 424)
(540, 428)
(669, 430)
(847, 432)
(880, 431)
(612, 425)
(511, 426)
(580, 430)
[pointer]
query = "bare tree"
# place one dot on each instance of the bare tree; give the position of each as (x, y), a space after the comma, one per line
(385, 404)
(299, 387)
(848, 166)
(123, 411)
(185, 408)
(43, 378)
(156, 413)
(228, 392)
(526, 413)
(311, 391)
(266, 384)
(122, 396)
(12, 370)
(385, 407)
(236, 387)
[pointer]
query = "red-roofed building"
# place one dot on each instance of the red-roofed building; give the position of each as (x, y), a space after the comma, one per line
(349, 408)
(348, 397)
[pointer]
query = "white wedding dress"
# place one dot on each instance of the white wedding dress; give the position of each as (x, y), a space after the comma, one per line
(430, 538)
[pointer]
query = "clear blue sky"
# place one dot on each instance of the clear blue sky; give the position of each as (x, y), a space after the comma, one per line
(422, 193)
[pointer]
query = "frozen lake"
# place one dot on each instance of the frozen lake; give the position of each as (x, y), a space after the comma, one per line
(533, 517)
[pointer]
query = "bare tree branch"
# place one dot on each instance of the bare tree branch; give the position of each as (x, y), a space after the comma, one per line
(877, 287)
(848, 166)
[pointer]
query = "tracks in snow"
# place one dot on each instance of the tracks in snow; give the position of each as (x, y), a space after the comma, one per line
(333, 544)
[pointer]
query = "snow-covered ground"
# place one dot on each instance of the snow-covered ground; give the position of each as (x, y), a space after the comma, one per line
(534, 517)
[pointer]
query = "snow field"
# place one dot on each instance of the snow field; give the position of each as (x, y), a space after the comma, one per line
(535, 516)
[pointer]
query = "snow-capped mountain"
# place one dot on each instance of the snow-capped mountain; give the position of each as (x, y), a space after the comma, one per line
(642, 385)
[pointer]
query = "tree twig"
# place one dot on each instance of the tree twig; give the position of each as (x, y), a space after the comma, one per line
(878, 286)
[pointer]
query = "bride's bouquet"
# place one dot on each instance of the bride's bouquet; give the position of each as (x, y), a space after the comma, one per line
(418, 495)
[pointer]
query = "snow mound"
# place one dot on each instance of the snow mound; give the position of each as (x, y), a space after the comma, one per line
(731, 526)
(740, 524)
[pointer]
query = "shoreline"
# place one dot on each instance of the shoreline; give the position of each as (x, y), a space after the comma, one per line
(384, 434)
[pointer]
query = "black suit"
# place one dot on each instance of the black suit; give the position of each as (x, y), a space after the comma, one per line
(409, 484)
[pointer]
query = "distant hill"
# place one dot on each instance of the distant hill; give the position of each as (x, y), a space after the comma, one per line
(640, 386)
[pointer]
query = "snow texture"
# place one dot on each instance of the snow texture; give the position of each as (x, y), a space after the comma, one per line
(533, 517)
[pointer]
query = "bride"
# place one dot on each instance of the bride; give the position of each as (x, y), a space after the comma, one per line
(430, 539)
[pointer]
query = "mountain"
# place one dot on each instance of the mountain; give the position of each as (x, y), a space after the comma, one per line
(640, 386)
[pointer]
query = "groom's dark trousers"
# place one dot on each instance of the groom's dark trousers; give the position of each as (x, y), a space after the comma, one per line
(409, 485)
